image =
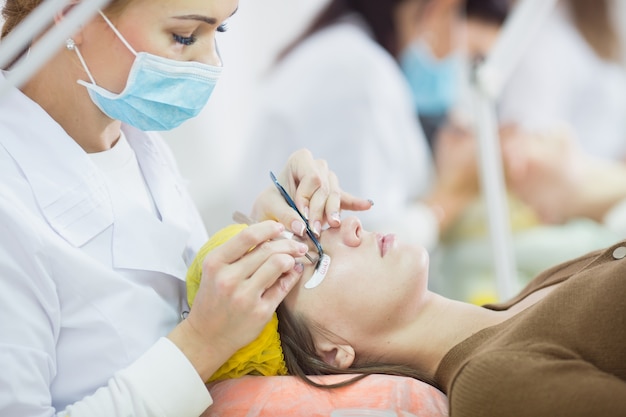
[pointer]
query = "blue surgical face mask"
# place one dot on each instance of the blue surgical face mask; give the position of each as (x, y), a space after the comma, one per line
(160, 93)
(434, 82)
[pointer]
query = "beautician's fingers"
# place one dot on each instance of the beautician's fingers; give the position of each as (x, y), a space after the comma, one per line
(270, 204)
(265, 262)
(236, 247)
(275, 294)
(319, 188)
(276, 274)
(315, 200)
(315, 191)
(230, 309)
(323, 205)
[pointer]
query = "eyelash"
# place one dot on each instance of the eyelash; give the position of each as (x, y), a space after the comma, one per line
(184, 40)
(190, 40)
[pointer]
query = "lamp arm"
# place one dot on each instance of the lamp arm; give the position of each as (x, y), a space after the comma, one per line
(489, 78)
(49, 43)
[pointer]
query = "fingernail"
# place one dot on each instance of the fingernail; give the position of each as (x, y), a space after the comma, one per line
(299, 267)
(305, 213)
(371, 202)
(302, 248)
(317, 228)
(298, 227)
(336, 216)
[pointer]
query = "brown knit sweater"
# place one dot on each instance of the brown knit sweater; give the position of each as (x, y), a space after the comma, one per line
(563, 356)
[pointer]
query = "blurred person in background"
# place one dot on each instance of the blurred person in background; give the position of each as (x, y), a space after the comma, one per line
(546, 105)
(572, 73)
(339, 90)
(562, 182)
(434, 65)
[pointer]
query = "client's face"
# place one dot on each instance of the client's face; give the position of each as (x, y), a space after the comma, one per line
(373, 285)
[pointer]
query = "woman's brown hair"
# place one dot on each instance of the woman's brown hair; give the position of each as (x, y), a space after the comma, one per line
(15, 11)
(594, 22)
(378, 14)
(302, 360)
(592, 19)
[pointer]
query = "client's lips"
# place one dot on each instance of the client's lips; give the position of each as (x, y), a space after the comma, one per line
(385, 243)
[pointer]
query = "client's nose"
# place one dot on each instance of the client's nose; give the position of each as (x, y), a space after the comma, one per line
(351, 231)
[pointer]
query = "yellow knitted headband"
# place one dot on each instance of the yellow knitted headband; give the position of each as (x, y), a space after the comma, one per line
(264, 355)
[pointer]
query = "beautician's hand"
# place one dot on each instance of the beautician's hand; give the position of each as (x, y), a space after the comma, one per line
(315, 190)
(239, 291)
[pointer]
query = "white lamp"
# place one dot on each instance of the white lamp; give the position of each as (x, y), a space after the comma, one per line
(32, 26)
(488, 79)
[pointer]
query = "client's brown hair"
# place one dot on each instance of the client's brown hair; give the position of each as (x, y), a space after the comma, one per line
(302, 360)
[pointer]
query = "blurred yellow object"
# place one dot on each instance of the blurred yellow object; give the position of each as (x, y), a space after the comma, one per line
(474, 222)
(264, 355)
(481, 298)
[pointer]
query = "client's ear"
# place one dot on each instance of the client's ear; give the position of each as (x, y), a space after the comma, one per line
(337, 355)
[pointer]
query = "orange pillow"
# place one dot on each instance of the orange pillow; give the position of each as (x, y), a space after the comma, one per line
(276, 396)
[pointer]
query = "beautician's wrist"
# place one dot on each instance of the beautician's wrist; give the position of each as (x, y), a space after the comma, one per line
(204, 355)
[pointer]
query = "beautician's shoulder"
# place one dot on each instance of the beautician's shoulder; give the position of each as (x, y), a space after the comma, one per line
(7, 164)
(15, 190)
(22, 229)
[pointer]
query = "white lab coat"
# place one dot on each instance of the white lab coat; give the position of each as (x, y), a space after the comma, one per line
(341, 95)
(89, 284)
(560, 79)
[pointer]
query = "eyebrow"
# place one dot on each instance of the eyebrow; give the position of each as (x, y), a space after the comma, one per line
(205, 19)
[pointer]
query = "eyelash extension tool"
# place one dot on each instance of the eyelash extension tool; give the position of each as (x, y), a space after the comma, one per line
(322, 266)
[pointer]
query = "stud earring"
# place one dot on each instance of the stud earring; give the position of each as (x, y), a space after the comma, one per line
(70, 44)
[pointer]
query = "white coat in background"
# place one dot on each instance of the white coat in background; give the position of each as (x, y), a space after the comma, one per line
(90, 283)
(561, 79)
(341, 95)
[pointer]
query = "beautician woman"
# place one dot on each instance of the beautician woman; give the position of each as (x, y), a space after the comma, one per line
(97, 229)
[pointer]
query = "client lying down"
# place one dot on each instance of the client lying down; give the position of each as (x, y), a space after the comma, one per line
(557, 348)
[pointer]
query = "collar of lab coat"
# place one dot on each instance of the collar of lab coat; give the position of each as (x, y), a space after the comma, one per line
(75, 199)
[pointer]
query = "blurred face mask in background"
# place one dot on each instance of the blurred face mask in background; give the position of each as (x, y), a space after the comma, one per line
(434, 82)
